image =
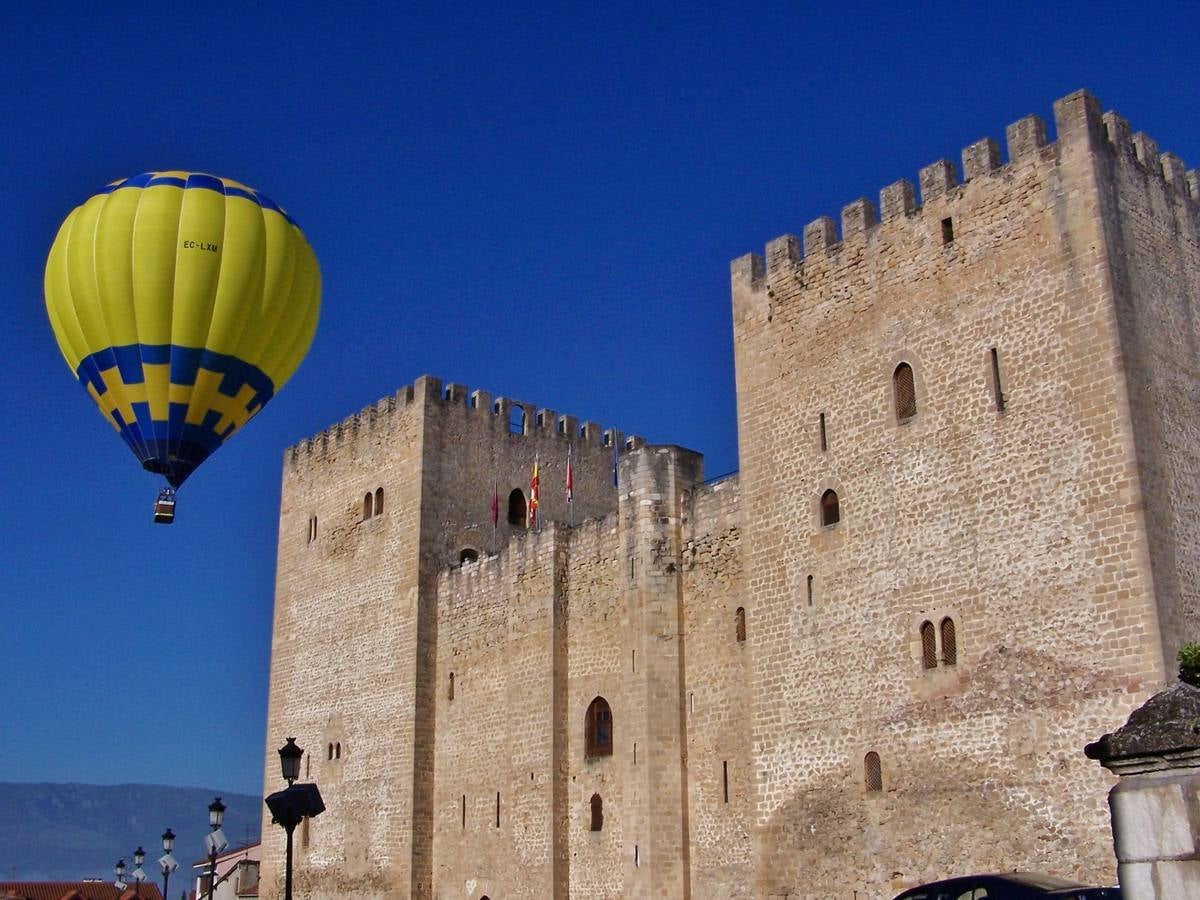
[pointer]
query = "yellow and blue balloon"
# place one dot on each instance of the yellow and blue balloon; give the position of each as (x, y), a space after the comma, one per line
(182, 302)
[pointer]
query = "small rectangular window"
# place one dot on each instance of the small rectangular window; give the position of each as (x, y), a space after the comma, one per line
(824, 441)
(947, 231)
(997, 387)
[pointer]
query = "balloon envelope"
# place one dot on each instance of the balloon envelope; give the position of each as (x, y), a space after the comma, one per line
(182, 302)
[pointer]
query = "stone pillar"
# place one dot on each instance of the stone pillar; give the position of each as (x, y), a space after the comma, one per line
(1156, 805)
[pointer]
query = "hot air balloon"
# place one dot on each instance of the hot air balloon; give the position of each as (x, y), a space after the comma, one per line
(182, 302)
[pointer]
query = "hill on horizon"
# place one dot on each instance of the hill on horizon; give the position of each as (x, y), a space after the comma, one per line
(70, 832)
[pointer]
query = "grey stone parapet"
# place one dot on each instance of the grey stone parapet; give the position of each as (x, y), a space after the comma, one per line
(1155, 807)
(1077, 117)
(428, 394)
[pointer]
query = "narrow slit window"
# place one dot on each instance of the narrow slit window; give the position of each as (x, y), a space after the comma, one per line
(330, 754)
(739, 624)
(464, 812)
(948, 231)
(635, 753)
(497, 809)
(597, 813)
(450, 689)
(725, 777)
(821, 428)
(997, 386)
(337, 750)
(872, 773)
(831, 512)
(633, 661)
(810, 590)
(905, 392)
(949, 643)
(635, 855)
(379, 501)
(368, 506)
(305, 835)
(928, 646)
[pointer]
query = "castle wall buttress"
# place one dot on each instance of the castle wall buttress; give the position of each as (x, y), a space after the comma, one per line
(1152, 227)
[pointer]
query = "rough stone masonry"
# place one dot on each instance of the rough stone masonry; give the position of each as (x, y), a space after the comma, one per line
(963, 541)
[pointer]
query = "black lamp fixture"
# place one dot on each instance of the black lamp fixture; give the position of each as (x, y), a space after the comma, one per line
(289, 761)
(216, 813)
(168, 842)
(119, 871)
(139, 857)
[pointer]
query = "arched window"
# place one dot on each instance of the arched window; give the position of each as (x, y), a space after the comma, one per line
(739, 624)
(450, 692)
(599, 729)
(468, 554)
(831, 514)
(516, 508)
(337, 750)
(379, 501)
(949, 643)
(368, 506)
(928, 646)
(905, 392)
(597, 813)
(331, 751)
(872, 773)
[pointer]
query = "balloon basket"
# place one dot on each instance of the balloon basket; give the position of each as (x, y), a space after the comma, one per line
(164, 507)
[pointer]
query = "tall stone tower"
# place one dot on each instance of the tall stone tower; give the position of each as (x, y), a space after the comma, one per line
(371, 511)
(971, 485)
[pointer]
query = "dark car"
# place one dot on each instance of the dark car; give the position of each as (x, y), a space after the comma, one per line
(1008, 886)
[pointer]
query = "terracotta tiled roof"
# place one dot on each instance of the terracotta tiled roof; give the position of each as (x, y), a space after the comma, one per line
(72, 890)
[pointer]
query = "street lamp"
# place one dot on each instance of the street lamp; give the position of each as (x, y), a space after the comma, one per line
(293, 804)
(215, 841)
(139, 874)
(167, 862)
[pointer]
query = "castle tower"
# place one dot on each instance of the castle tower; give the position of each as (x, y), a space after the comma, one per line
(371, 511)
(968, 437)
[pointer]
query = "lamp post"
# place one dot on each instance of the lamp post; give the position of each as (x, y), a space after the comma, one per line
(139, 874)
(289, 761)
(293, 804)
(167, 862)
(216, 841)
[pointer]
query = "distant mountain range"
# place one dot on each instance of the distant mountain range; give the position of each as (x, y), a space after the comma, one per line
(75, 831)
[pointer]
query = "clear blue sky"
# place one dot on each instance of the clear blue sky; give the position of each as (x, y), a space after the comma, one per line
(537, 201)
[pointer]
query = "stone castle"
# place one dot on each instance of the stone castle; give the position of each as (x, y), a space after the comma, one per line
(964, 541)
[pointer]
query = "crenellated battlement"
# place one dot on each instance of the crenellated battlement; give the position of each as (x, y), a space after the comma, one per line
(1077, 118)
(429, 395)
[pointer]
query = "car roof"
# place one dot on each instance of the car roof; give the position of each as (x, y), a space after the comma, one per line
(1026, 879)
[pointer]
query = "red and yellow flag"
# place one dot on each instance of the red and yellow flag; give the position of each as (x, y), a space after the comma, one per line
(533, 494)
